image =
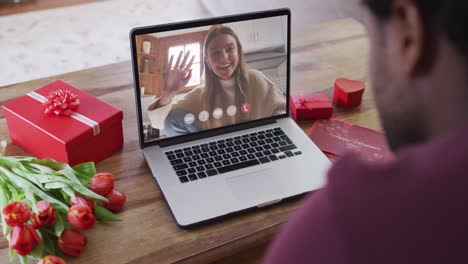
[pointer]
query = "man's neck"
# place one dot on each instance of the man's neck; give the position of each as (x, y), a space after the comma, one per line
(446, 95)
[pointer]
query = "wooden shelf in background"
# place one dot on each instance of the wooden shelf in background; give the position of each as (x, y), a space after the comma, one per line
(148, 55)
(143, 74)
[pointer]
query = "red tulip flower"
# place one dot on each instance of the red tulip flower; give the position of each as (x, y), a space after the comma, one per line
(46, 216)
(51, 260)
(16, 213)
(23, 238)
(116, 201)
(83, 200)
(81, 216)
(102, 183)
(72, 242)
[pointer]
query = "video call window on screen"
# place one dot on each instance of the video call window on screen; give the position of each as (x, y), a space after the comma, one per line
(208, 77)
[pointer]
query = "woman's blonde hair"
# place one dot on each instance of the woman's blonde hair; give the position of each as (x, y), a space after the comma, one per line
(212, 83)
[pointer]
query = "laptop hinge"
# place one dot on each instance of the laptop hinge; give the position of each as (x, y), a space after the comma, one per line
(269, 203)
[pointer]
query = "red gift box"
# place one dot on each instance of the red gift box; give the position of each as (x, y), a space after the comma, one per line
(348, 93)
(91, 133)
(311, 106)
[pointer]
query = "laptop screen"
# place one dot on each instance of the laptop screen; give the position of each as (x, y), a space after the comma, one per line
(201, 78)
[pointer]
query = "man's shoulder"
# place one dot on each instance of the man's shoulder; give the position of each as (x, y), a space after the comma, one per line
(435, 160)
(353, 167)
(411, 209)
(396, 203)
(353, 179)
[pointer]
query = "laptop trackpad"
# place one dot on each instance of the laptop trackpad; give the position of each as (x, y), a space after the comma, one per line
(260, 186)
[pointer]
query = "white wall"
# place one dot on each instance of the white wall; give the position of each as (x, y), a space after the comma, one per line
(303, 11)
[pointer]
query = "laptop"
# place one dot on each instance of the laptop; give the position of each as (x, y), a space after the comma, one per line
(213, 115)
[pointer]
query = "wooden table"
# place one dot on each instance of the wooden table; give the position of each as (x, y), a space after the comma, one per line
(148, 233)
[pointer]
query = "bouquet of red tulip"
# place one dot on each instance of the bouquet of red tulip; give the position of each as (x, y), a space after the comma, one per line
(44, 202)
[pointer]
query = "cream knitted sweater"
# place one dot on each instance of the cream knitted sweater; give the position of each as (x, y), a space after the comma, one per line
(262, 95)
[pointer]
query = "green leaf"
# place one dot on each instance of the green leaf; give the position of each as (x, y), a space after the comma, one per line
(11, 176)
(10, 161)
(49, 244)
(63, 169)
(55, 185)
(23, 259)
(27, 176)
(24, 184)
(46, 178)
(8, 230)
(51, 200)
(42, 169)
(77, 187)
(38, 251)
(69, 194)
(87, 192)
(59, 226)
(83, 178)
(3, 195)
(105, 215)
(57, 179)
(15, 195)
(69, 174)
(3, 202)
(30, 197)
(87, 169)
(11, 253)
(53, 164)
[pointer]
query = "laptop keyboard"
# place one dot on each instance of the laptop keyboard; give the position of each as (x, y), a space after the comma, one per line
(225, 155)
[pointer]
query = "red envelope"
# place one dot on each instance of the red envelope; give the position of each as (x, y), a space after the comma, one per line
(64, 138)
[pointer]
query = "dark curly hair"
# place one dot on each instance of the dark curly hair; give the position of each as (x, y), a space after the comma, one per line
(449, 17)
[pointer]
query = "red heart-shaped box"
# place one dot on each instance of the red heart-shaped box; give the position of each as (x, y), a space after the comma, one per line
(348, 93)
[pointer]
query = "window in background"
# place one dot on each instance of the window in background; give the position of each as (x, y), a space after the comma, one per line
(194, 49)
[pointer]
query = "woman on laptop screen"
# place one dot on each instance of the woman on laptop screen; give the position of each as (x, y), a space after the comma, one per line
(230, 94)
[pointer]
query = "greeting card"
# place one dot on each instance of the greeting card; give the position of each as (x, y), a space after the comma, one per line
(336, 138)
